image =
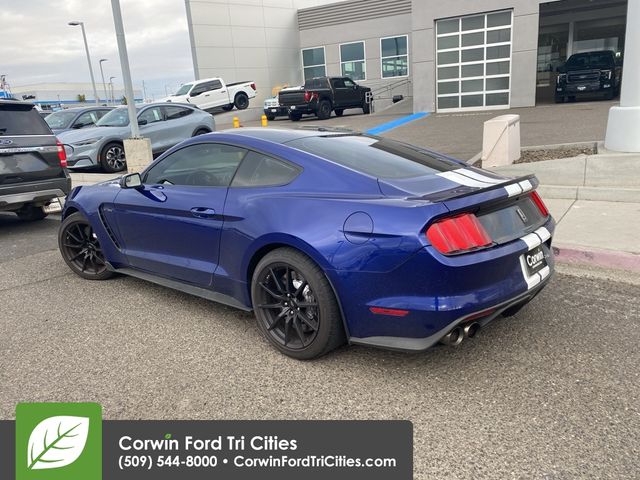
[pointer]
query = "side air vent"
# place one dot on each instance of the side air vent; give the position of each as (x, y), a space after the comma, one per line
(107, 228)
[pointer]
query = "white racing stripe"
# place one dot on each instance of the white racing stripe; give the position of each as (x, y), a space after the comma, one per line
(543, 233)
(455, 177)
(532, 240)
(479, 176)
(513, 189)
(531, 281)
(525, 185)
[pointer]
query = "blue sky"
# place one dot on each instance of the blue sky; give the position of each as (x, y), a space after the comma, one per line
(37, 45)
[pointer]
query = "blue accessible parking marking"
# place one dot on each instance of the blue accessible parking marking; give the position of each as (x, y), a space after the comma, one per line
(397, 123)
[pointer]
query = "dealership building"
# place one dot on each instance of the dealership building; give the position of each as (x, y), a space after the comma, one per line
(454, 55)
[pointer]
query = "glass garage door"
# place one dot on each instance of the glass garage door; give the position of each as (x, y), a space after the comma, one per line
(473, 57)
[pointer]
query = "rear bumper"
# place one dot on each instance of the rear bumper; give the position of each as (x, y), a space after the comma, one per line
(407, 344)
(14, 196)
(303, 109)
(438, 292)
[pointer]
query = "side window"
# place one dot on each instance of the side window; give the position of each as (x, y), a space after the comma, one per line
(349, 83)
(151, 115)
(337, 82)
(200, 165)
(176, 112)
(206, 87)
(216, 85)
(87, 118)
(101, 113)
(258, 170)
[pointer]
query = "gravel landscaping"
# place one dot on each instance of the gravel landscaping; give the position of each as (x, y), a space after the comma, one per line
(529, 156)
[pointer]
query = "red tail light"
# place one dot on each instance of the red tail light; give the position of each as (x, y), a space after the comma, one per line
(307, 96)
(393, 312)
(253, 85)
(62, 154)
(458, 234)
(535, 196)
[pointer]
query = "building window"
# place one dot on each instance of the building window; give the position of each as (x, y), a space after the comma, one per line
(352, 60)
(394, 52)
(474, 61)
(313, 62)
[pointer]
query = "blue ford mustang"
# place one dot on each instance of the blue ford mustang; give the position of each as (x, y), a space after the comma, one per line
(328, 236)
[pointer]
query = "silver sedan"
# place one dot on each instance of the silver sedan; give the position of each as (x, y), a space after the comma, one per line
(165, 124)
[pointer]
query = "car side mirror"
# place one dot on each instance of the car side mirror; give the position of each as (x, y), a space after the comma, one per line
(132, 180)
(142, 122)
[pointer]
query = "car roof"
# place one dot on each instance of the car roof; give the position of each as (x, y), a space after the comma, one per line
(284, 135)
(7, 101)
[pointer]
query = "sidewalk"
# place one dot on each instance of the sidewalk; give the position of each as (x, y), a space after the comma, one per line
(595, 200)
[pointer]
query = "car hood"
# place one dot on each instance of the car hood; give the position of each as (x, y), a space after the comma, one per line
(75, 136)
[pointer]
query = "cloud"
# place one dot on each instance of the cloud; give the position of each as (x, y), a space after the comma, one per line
(37, 45)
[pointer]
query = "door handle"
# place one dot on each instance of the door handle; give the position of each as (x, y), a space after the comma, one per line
(203, 212)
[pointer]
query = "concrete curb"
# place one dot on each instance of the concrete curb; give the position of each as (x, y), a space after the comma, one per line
(602, 258)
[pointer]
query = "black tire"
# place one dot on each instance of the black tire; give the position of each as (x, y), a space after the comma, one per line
(271, 117)
(112, 158)
(339, 112)
(559, 99)
(295, 306)
(295, 117)
(366, 108)
(610, 95)
(241, 101)
(81, 249)
(572, 98)
(228, 108)
(324, 110)
(201, 131)
(31, 213)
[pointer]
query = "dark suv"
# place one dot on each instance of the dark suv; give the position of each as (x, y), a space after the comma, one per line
(589, 73)
(322, 95)
(32, 162)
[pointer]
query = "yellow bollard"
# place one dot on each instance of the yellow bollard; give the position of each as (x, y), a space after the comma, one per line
(236, 122)
(264, 121)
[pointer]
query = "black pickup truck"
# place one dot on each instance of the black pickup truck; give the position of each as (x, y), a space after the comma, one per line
(322, 95)
(589, 73)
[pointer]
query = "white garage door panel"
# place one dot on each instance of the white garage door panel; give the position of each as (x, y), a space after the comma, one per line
(474, 61)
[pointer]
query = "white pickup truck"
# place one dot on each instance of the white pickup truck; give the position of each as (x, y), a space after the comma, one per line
(210, 93)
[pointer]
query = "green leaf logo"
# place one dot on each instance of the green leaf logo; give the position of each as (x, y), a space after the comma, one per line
(57, 442)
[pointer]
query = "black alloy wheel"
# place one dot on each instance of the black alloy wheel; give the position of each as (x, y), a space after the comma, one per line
(112, 158)
(295, 306)
(81, 249)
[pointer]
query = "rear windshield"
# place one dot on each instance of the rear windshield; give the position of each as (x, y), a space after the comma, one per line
(380, 158)
(22, 120)
(591, 60)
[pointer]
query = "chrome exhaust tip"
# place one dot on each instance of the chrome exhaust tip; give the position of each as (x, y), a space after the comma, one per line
(454, 337)
(471, 329)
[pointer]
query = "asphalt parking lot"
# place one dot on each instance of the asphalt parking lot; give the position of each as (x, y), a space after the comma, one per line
(553, 393)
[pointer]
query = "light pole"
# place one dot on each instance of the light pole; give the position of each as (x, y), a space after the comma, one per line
(124, 65)
(111, 89)
(104, 85)
(86, 48)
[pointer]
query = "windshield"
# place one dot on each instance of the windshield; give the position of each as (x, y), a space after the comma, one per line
(379, 158)
(60, 119)
(183, 89)
(591, 60)
(118, 117)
